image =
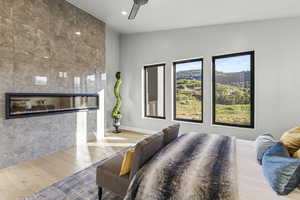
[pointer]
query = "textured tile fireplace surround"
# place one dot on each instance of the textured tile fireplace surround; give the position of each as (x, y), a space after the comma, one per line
(52, 41)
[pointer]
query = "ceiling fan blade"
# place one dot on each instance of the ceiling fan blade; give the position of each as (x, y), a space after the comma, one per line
(134, 11)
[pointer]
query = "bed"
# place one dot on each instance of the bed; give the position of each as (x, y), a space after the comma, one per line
(252, 184)
(244, 179)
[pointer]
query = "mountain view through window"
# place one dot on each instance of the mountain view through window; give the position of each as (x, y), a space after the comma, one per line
(233, 90)
(188, 90)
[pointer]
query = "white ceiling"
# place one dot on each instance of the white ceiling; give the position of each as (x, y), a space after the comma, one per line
(170, 14)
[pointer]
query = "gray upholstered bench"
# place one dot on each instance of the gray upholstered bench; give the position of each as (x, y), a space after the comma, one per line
(108, 172)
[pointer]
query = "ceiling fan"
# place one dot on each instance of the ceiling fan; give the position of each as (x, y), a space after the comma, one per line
(135, 8)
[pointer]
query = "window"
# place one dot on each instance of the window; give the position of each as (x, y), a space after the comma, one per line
(233, 90)
(188, 90)
(155, 91)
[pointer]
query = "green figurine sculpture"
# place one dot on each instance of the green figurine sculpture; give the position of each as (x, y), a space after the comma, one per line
(116, 114)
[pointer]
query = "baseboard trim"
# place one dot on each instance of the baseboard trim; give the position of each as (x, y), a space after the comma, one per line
(138, 130)
(107, 130)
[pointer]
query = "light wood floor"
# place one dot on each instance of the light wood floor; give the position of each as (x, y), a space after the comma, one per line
(24, 179)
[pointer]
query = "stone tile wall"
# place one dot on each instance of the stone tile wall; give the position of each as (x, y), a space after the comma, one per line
(38, 39)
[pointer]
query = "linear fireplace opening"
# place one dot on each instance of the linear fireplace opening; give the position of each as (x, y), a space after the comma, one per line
(35, 104)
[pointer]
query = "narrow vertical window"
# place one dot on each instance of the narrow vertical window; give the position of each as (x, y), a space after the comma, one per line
(155, 91)
(233, 90)
(188, 90)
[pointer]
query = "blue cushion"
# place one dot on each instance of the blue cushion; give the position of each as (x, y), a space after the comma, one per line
(262, 143)
(282, 171)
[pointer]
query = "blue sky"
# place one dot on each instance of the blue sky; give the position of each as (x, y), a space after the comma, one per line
(233, 64)
(189, 66)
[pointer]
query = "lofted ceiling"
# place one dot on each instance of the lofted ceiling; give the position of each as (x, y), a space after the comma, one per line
(170, 14)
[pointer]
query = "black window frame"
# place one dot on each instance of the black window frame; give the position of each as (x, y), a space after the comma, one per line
(174, 89)
(252, 88)
(145, 89)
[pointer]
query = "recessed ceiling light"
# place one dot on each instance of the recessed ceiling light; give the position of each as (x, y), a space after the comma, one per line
(78, 33)
(124, 13)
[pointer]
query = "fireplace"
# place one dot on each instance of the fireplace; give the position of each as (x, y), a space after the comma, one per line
(35, 104)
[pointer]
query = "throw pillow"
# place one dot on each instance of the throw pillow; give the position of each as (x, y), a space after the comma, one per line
(145, 150)
(282, 171)
(127, 161)
(262, 143)
(291, 139)
(171, 133)
(297, 155)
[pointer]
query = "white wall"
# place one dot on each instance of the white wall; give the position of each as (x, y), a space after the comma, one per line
(112, 53)
(277, 47)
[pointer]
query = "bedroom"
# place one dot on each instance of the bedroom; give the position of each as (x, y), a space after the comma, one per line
(216, 68)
